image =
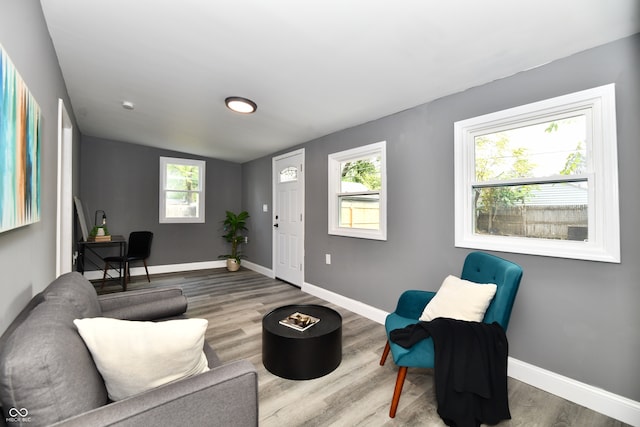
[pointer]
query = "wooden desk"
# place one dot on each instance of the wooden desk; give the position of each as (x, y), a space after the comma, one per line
(86, 247)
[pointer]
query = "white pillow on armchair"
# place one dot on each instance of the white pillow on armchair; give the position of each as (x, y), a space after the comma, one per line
(460, 299)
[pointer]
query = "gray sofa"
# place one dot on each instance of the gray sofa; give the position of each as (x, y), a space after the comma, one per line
(48, 377)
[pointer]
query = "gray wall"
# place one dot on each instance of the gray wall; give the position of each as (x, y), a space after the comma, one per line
(576, 318)
(123, 180)
(27, 254)
(256, 192)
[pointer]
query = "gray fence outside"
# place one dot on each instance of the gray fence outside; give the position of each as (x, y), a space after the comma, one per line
(543, 222)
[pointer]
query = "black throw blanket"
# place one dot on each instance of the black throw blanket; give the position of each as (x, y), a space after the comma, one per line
(470, 369)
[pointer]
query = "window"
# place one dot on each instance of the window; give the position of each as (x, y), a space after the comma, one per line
(357, 187)
(289, 174)
(541, 179)
(181, 190)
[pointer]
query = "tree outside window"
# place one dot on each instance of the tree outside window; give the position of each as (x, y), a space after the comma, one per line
(357, 202)
(541, 178)
(181, 190)
(553, 210)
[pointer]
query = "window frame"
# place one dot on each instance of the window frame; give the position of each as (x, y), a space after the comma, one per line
(201, 165)
(334, 178)
(603, 243)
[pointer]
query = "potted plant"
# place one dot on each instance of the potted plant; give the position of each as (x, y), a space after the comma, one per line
(234, 224)
(100, 233)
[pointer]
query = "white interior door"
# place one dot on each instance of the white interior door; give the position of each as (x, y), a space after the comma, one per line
(64, 226)
(288, 217)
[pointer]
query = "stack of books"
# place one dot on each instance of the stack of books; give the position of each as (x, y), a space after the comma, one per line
(299, 321)
(99, 238)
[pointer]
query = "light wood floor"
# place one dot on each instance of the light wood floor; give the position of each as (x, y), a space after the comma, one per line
(358, 392)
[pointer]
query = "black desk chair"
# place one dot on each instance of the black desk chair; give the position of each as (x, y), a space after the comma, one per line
(138, 249)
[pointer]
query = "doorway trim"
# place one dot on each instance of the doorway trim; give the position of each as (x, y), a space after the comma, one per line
(64, 223)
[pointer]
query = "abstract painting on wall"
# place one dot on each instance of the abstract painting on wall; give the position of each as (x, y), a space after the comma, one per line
(19, 150)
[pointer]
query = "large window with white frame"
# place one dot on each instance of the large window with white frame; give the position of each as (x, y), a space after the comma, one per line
(182, 188)
(357, 192)
(541, 178)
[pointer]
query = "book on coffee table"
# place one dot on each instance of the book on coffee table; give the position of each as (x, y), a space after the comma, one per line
(299, 321)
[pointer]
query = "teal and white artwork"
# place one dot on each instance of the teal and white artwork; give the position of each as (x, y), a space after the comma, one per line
(19, 149)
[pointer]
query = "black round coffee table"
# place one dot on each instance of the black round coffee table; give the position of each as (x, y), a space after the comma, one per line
(302, 355)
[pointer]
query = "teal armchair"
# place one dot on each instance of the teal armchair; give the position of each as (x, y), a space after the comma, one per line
(479, 267)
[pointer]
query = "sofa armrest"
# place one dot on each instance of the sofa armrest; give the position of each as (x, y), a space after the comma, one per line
(411, 304)
(226, 396)
(146, 304)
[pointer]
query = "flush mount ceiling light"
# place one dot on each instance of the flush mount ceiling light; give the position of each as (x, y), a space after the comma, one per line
(127, 105)
(240, 105)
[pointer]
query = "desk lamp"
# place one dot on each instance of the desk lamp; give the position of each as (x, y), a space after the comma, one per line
(102, 229)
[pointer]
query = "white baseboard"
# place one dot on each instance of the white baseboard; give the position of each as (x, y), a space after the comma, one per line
(160, 269)
(259, 269)
(607, 403)
(176, 268)
(597, 399)
(358, 307)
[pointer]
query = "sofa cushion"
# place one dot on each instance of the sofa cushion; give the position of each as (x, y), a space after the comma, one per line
(460, 299)
(134, 357)
(46, 368)
(78, 291)
(161, 308)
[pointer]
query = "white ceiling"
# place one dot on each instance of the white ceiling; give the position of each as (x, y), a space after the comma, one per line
(313, 66)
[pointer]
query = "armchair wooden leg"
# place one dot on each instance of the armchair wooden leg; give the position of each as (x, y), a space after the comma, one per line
(402, 373)
(385, 353)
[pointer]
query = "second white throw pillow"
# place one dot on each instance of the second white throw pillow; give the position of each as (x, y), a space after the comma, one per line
(134, 357)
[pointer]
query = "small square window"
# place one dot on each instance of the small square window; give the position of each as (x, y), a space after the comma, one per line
(181, 190)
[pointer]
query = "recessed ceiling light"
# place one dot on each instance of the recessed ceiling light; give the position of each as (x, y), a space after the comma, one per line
(241, 105)
(127, 105)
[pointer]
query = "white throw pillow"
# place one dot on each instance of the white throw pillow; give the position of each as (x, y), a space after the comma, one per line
(460, 299)
(134, 357)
